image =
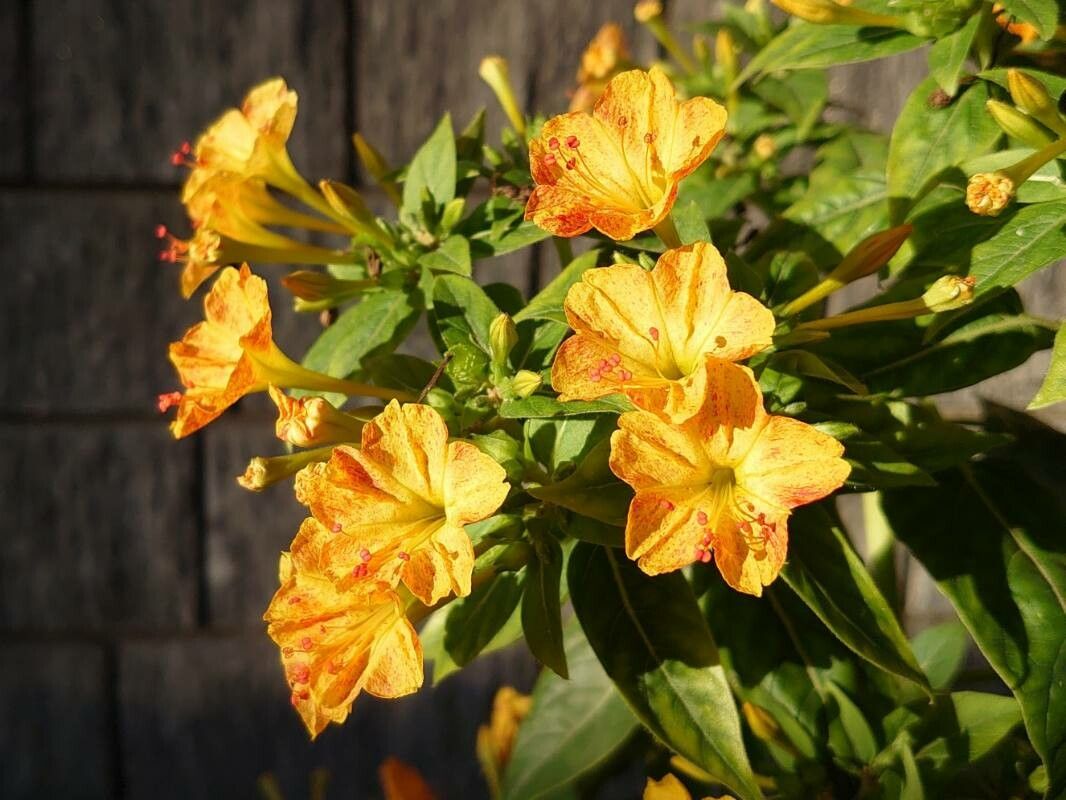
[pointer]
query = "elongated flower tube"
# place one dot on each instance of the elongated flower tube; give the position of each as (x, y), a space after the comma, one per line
(946, 294)
(617, 169)
(658, 337)
(828, 12)
(722, 484)
(401, 500)
(338, 636)
(263, 472)
(248, 198)
(232, 353)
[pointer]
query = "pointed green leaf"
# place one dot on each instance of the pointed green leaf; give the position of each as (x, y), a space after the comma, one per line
(541, 614)
(947, 56)
(433, 167)
(1053, 389)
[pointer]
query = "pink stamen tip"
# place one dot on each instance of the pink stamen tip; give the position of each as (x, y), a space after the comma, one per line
(616, 360)
(707, 539)
(160, 231)
(403, 556)
(571, 164)
(701, 518)
(336, 527)
(706, 557)
(185, 148)
(553, 143)
(301, 673)
(604, 364)
(572, 142)
(364, 554)
(666, 505)
(287, 652)
(654, 334)
(625, 374)
(549, 160)
(359, 571)
(177, 159)
(167, 401)
(306, 643)
(294, 600)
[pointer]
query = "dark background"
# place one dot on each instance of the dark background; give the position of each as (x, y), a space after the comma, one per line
(133, 569)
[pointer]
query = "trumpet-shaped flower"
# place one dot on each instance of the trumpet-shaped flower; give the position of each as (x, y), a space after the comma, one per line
(232, 353)
(618, 168)
(402, 498)
(721, 484)
(338, 637)
(312, 421)
(605, 56)
(650, 334)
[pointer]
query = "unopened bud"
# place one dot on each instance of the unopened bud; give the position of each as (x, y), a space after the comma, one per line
(649, 13)
(865, 258)
(1031, 96)
(761, 723)
(764, 147)
(988, 193)
(1017, 124)
(647, 10)
(948, 293)
(312, 421)
(495, 741)
(315, 291)
(526, 382)
(493, 70)
(503, 336)
(827, 12)
(263, 471)
(378, 168)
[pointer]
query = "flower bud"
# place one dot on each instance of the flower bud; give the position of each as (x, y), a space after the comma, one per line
(378, 168)
(649, 13)
(827, 12)
(503, 336)
(493, 70)
(526, 382)
(647, 10)
(988, 193)
(263, 471)
(346, 201)
(1031, 96)
(948, 293)
(312, 421)
(764, 147)
(1017, 124)
(322, 288)
(761, 723)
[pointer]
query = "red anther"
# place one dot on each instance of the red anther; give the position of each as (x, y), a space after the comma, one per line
(706, 557)
(167, 401)
(572, 142)
(177, 159)
(306, 643)
(294, 699)
(287, 652)
(701, 518)
(745, 526)
(571, 164)
(360, 571)
(649, 138)
(549, 160)
(666, 505)
(707, 539)
(403, 556)
(336, 527)
(553, 143)
(295, 599)
(698, 554)
(654, 334)
(615, 360)
(364, 554)
(160, 231)
(625, 374)
(304, 694)
(168, 256)
(301, 673)
(623, 121)
(185, 148)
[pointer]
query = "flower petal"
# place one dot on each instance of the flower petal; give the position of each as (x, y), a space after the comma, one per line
(441, 566)
(662, 529)
(409, 443)
(751, 558)
(474, 484)
(650, 452)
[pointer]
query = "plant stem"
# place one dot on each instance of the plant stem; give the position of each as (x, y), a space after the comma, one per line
(667, 232)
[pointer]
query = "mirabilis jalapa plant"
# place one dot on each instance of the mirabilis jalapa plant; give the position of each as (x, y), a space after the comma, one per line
(656, 438)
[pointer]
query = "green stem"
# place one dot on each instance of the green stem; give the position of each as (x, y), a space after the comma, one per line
(667, 232)
(564, 250)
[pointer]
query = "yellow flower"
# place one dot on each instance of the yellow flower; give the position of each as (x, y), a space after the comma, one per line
(250, 141)
(670, 788)
(605, 56)
(402, 498)
(338, 637)
(650, 334)
(618, 168)
(989, 193)
(722, 483)
(401, 781)
(495, 741)
(232, 353)
(312, 421)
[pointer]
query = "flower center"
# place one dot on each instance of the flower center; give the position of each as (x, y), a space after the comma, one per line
(722, 506)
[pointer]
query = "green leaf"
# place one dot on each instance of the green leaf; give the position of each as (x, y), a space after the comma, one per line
(439, 663)
(573, 727)
(649, 635)
(876, 465)
(462, 312)
(453, 255)
(539, 407)
(1053, 389)
(433, 167)
(373, 327)
(480, 616)
(1044, 14)
(1033, 238)
(827, 573)
(807, 46)
(548, 304)
(400, 371)
(987, 346)
(968, 725)
(541, 614)
(927, 140)
(1007, 583)
(941, 651)
(561, 444)
(801, 95)
(690, 222)
(592, 490)
(947, 56)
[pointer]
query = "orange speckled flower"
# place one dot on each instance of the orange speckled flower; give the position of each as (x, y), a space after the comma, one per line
(649, 334)
(401, 500)
(249, 141)
(338, 637)
(618, 168)
(724, 482)
(312, 421)
(605, 56)
(232, 353)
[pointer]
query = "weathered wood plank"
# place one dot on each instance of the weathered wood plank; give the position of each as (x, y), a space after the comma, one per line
(12, 93)
(104, 528)
(212, 713)
(121, 84)
(55, 738)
